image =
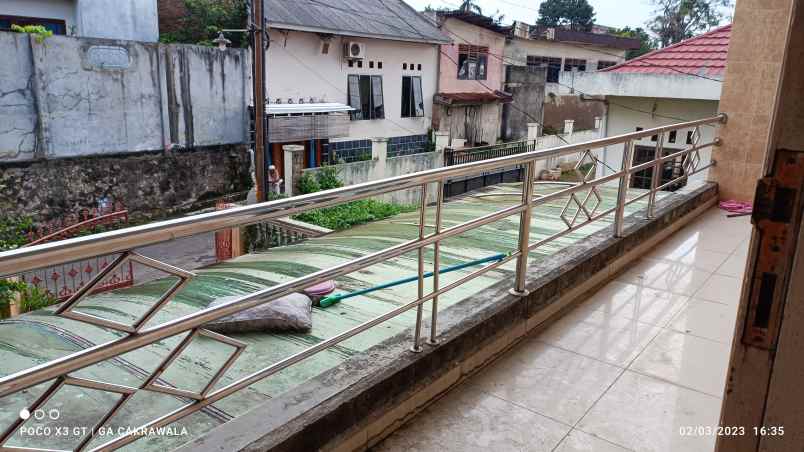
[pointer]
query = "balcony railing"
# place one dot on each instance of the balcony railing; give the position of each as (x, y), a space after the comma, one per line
(581, 209)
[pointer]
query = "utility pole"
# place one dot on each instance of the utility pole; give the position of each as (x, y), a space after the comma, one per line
(261, 131)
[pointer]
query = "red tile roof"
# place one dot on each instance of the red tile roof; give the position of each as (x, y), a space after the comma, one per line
(703, 55)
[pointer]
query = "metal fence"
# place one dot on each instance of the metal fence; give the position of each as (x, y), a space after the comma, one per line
(581, 209)
(461, 156)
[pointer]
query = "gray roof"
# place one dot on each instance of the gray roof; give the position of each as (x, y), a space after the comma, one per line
(383, 19)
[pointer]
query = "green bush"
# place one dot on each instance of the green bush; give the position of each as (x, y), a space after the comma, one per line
(14, 232)
(32, 298)
(308, 183)
(328, 178)
(354, 213)
(39, 32)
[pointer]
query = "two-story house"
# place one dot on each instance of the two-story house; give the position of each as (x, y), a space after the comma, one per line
(135, 20)
(470, 95)
(375, 61)
(563, 51)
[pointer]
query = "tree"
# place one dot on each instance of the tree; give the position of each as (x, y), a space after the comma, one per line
(573, 14)
(646, 42)
(206, 18)
(677, 20)
(469, 6)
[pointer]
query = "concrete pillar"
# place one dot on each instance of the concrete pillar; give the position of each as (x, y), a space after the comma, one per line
(749, 95)
(294, 164)
(379, 153)
(569, 126)
(441, 141)
(534, 131)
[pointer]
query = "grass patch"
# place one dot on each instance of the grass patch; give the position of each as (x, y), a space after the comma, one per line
(354, 213)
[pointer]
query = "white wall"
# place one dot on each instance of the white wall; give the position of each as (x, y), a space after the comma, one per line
(518, 49)
(297, 68)
(670, 86)
(135, 20)
(623, 119)
(45, 9)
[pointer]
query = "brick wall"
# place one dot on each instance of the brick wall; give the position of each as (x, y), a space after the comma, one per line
(170, 14)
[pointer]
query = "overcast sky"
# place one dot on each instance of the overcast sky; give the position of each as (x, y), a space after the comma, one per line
(614, 13)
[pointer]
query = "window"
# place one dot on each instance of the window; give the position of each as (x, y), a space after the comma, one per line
(419, 67)
(639, 129)
(572, 63)
(360, 63)
(553, 66)
(654, 138)
(472, 62)
(690, 136)
(351, 63)
(404, 66)
(58, 27)
(604, 64)
(672, 137)
(365, 96)
(379, 65)
(371, 65)
(412, 99)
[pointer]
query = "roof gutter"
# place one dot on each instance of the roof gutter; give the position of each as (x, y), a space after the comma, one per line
(304, 28)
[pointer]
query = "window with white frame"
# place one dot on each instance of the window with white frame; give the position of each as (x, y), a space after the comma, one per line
(412, 99)
(365, 96)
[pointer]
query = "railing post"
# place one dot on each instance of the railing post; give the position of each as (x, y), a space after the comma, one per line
(436, 264)
(419, 310)
(622, 195)
(524, 230)
(657, 169)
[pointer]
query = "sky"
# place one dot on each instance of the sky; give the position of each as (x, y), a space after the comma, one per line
(614, 13)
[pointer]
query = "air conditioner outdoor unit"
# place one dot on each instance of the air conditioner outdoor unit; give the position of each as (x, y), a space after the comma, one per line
(354, 50)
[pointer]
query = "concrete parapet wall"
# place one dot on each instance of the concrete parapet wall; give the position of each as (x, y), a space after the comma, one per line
(376, 169)
(69, 97)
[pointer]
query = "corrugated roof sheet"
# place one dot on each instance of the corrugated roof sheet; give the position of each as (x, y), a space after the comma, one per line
(703, 55)
(383, 19)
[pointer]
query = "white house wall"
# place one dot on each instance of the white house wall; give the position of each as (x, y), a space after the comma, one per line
(623, 118)
(296, 69)
(43, 9)
(134, 20)
(669, 86)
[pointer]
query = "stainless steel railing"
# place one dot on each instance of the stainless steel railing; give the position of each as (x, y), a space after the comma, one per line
(124, 241)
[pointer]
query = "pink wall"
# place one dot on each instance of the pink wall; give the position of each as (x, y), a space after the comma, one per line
(461, 32)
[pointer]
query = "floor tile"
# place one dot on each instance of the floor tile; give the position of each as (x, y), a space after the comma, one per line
(578, 441)
(687, 360)
(630, 301)
(470, 420)
(645, 414)
(556, 383)
(617, 341)
(721, 289)
(706, 319)
(691, 255)
(734, 266)
(667, 276)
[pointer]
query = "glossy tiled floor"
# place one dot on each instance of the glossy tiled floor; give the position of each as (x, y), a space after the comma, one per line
(644, 356)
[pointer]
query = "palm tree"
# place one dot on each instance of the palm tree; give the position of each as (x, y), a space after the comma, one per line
(469, 6)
